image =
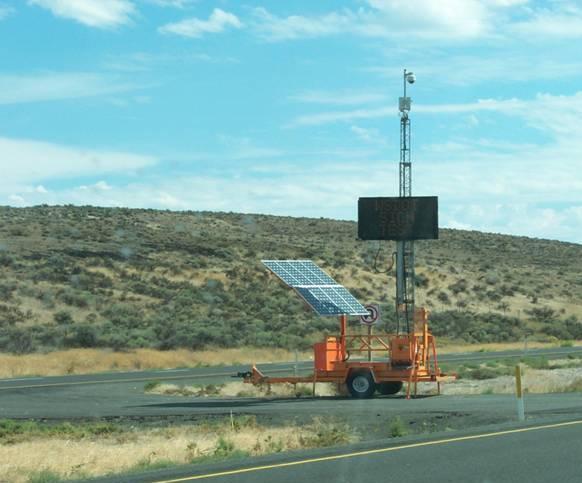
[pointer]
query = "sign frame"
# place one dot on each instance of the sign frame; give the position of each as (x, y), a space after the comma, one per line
(373, 316)
(398, 218)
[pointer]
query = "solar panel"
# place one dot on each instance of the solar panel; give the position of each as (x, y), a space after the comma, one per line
(317, 288)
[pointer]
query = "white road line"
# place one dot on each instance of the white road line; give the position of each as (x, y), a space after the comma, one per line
(22, 379)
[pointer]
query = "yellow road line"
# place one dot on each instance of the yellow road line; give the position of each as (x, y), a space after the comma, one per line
(370, 452)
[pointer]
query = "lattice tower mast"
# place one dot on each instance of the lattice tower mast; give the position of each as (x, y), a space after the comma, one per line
(405, 249)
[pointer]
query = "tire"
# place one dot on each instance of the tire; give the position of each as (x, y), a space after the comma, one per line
(389, 388)
(361, 384)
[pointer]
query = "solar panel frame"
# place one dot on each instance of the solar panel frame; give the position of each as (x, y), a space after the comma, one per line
(299, 272)
(331, 300)
(325, 296)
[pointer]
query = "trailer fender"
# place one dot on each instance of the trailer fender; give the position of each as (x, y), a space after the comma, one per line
(361, 369)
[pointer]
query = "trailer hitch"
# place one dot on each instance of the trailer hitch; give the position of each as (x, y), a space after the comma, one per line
(243, 375)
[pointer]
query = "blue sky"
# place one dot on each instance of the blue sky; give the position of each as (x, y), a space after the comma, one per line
(290, 107)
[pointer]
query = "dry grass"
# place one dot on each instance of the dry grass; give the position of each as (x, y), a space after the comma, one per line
(447, 347)
(86, 361)
(149, 448)
(535, 381)
(240, 389)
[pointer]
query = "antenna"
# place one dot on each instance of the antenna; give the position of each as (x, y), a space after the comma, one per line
(405, 249)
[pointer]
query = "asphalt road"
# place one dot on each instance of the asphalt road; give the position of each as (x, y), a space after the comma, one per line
(121, 395)
(224, 373)
(534, 453)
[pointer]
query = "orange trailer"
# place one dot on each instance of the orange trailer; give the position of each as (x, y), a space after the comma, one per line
(408, 358)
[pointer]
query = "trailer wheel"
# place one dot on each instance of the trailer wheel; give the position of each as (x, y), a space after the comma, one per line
(361, 384)
(389, 388)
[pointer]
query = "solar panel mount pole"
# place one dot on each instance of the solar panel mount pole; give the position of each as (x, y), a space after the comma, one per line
(405, 248)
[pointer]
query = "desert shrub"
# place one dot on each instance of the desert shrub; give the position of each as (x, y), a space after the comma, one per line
(536, 362)
(421, 280)
(327, 433)
(482, 373)
(397, 428)
(17, 340)
(460, 286)
(10, 315)
(507, 290)
(118, 341)
(6, 290)
(491, 279)
(124, 315)
(574, 327)
(541, 314)
(475, 327)
(6, 260)
(570, 328)
(74, 298)
(82, 335)
(493, 295)
(63, 317)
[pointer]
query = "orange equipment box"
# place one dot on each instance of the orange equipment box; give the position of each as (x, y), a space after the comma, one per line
(326, 353)
(400, 351)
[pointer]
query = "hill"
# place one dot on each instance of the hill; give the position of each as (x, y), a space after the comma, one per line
(122, 278)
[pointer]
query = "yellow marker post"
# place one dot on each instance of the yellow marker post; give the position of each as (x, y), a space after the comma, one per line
(519, 394)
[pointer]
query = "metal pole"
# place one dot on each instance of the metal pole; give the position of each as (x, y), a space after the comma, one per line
(343, 330)
(405, 248)
(519, 394)
(369, 343)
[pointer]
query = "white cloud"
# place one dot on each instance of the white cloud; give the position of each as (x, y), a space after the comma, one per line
(5, 10)
(15, 89)
(93, 13)
(25, 162)
(515, 65)
(478, 194)
(146, 61)
(17, 200)
(368, 135)
(172, 3)
(99, 186)
(343, 116)
(508, 106)
(218, 21)
(564, 22)
(245, 148)
(442, 20)
(506, 3)
(274, 28)
(103, 186)
(345, 97)
(455, 18)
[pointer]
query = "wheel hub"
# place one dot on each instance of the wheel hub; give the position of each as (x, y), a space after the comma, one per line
(361, 384)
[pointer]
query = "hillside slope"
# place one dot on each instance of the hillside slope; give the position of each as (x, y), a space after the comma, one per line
(121, 278)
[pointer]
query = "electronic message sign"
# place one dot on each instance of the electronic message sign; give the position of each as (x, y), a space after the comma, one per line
(402, 218)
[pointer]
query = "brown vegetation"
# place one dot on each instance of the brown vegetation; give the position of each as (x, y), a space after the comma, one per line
(87, 277)
(87, 361)
(79, 456)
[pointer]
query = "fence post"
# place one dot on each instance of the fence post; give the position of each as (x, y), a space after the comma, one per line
(519, 394)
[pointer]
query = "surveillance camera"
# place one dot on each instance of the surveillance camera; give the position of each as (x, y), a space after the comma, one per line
(411, 78)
